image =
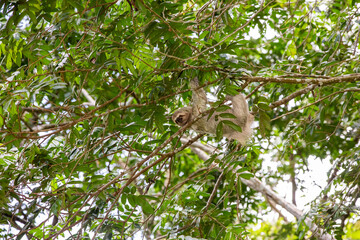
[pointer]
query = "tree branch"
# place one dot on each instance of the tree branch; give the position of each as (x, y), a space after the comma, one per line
(258, 186)
(320, 100)
(293, 95)
(320, 81)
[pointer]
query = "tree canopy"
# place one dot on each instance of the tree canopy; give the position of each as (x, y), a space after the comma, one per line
(88, 149)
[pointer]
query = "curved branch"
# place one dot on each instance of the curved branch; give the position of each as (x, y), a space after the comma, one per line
(322, 99)
(292, 96)
(320, 81)
(258, 186)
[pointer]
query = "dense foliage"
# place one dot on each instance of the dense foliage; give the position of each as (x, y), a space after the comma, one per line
(88, 149)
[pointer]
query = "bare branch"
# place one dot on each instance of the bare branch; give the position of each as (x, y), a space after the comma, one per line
(213, 193)
(258, 186)
(320, 81)
(293, 95)
(322, 99)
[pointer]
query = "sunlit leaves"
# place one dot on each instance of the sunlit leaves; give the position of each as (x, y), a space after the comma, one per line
(86, 97)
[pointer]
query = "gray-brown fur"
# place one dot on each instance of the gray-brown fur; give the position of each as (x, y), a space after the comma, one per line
(239, 109)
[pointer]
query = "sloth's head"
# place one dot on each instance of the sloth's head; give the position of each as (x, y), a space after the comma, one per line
(182, 116)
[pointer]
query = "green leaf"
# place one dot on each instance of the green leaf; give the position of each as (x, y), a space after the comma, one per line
(232, 125)
(246, 175)
(132, 200)
(291, 49)
(2, 162)
(219, 131)
(231, 90)
(1, 117)
(264, 123)
(227, 115)
(8, 61)
(145, 205)
(264, 106)
(222, 108)
(56, 206)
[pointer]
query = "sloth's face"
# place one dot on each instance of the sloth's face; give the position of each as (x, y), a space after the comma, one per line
(181, 117)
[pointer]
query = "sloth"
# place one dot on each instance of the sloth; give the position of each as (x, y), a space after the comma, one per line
(206, 124)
